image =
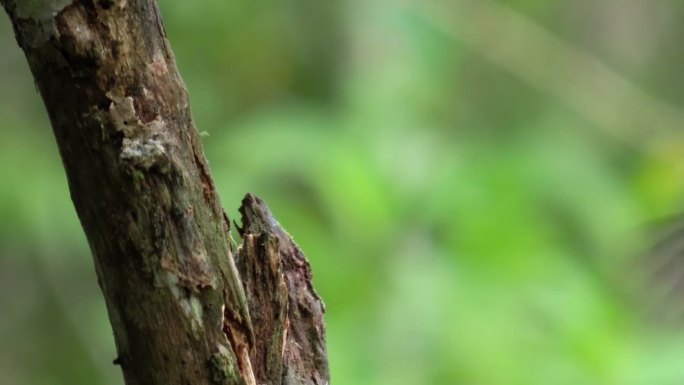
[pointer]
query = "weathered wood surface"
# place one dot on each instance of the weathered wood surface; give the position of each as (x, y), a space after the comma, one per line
(147, 203)
(286, 310)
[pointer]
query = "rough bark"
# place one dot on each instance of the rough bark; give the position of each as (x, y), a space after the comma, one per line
(287, 311)
(147, 203)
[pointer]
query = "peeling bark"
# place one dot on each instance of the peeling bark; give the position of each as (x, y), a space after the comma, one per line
(147, 203)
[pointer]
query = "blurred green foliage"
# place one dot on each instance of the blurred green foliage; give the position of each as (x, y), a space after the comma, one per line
(469, 219)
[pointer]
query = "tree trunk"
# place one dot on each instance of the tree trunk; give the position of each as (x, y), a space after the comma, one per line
(147, 203)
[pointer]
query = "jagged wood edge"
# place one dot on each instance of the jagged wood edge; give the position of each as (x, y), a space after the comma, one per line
(286, 311)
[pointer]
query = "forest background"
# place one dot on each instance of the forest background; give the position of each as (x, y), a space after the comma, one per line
(479, 186)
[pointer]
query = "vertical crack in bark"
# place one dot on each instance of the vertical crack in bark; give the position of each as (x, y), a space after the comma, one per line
(240, 345)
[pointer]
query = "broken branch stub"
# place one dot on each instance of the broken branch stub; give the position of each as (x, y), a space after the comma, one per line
(286, 311)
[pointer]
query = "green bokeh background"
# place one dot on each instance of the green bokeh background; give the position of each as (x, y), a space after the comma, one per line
(475, 184)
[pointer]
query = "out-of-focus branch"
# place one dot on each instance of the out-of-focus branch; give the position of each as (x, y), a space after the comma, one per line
(581, 81)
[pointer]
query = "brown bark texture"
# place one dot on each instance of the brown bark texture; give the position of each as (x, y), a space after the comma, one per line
(144, 195)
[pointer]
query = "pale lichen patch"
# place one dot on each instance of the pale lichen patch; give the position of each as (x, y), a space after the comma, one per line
(144, 144)
(142, 153)
(41, 15)
(189, 303)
